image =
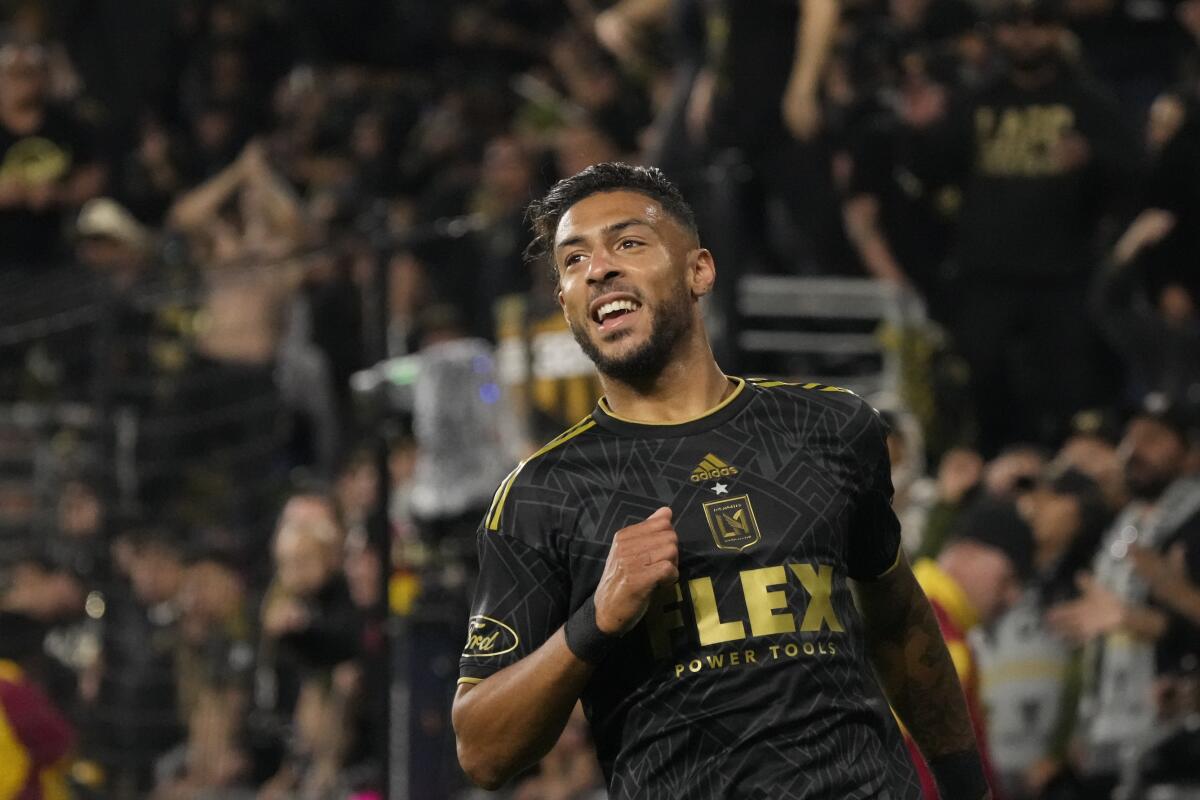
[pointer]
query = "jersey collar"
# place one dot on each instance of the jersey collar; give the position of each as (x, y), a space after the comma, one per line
(726, 410)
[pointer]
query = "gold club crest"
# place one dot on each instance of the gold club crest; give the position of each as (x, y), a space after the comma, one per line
(732, 523)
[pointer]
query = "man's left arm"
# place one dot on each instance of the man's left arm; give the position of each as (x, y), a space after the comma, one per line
(906, 648)
(816, 28)
(903, 638)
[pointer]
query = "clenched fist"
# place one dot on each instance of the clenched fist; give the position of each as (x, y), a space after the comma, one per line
(643, 557)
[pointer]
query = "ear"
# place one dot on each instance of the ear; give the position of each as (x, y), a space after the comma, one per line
(702, 272)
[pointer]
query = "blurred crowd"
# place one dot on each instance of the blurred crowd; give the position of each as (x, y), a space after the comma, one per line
(276, 251)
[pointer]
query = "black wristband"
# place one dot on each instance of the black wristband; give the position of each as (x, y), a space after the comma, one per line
(584, 636)
(960, 776)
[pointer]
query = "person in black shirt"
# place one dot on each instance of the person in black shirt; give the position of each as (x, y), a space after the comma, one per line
(1042, 157)
(47, 163)
(681, 558)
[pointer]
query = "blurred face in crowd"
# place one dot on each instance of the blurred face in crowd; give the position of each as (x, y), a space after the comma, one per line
(212, 591)
(1054, 518)
(214, 128)
(308, 509)
(363, 575)
(985, 575)
(369, 141)
(156, 574)
(1175, 304)
(630, 276)
(23, 74)
(46, 595)
(358, 489)
(1028, 40)
(304, 558)
(1153, 457)
(80, 512)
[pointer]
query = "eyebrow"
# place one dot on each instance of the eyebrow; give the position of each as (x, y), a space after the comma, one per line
(606, 230)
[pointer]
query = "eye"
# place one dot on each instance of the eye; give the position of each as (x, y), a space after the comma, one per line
(573, 258)
(626, 244)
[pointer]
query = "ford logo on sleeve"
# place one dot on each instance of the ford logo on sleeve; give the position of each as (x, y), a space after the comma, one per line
(488, 637)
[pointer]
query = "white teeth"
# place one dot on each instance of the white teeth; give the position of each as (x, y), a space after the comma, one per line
(616, 305)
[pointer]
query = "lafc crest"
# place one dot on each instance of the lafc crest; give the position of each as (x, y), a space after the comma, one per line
(732, 523)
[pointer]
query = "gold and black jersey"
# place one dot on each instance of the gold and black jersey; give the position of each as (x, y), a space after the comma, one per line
(749, 677)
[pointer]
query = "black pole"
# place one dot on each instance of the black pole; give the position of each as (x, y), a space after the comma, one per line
(398, 632)
(377, 317)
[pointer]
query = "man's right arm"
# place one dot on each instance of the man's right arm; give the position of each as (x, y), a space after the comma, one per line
(506, 722)
(511, 719)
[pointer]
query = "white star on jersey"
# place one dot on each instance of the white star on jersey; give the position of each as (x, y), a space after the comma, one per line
(720, 488)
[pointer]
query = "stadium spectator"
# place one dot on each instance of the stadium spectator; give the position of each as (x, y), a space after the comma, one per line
(35, 736)
(308, 611)
(767, 105)
(80, 540)
(149, 177)
(898, 213)
(1089, 451)
(1115, 614)
(136, 715)
(1029, 674)
(110, 241)
(1145, 300)
(1042, 156)
(216, 663)
(958, 484)
(368, 676)
(975, 579)
(243, 227)
(48, 161)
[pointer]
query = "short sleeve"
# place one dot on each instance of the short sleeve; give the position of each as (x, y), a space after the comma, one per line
(521, 598)
(873, 547)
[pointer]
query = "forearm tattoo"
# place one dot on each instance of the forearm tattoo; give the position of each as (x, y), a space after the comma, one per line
(906, 647)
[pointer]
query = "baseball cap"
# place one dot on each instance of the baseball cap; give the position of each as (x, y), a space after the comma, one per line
(1173, 414)
(996, 524)
(103, 217)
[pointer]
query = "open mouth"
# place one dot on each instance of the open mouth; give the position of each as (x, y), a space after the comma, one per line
(614, 313)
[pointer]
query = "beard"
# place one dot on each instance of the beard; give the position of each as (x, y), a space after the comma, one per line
(1144, 483)
(671, 321)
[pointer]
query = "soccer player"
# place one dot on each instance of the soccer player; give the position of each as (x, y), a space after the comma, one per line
(682, 558)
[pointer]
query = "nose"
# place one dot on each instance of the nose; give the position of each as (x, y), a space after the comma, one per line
(601, 267)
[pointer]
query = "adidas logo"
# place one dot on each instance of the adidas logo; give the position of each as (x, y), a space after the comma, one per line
(712, 467)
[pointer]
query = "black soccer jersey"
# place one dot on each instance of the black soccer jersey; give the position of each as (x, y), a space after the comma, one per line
(748, 678)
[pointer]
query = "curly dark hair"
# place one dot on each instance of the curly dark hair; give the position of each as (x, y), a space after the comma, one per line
(543, 215)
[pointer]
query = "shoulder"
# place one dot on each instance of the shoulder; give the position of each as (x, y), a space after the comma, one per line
(524, 477)
(823, 396)
(834, 408)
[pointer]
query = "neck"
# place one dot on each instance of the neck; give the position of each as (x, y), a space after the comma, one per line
(689, 386)
(1047, 555)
